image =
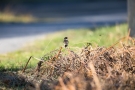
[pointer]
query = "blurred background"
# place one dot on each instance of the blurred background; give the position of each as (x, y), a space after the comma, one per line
(25, 20)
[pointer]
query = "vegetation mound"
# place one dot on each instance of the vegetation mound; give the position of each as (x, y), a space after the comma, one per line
(87, 68)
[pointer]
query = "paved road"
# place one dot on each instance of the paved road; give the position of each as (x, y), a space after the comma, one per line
(15, 36)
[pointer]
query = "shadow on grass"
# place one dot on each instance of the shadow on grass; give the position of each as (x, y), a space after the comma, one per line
(11, 80)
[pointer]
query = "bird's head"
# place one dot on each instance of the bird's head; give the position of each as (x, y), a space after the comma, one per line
(65, 37)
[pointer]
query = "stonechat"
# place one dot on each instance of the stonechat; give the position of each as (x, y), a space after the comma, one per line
(66, 41)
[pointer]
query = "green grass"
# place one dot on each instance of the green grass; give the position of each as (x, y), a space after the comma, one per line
(103, 36)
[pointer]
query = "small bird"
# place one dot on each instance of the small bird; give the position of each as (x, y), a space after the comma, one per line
(66, 41)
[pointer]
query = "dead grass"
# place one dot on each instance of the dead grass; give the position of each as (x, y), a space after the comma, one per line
(87, 68)
(9, 17)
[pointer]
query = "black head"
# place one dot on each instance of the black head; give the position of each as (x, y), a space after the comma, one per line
(65, 37)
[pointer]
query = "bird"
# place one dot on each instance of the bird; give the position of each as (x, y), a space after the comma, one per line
(65, 41)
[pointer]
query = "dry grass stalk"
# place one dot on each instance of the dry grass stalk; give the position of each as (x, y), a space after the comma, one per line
(95, 77)
(26, 64)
